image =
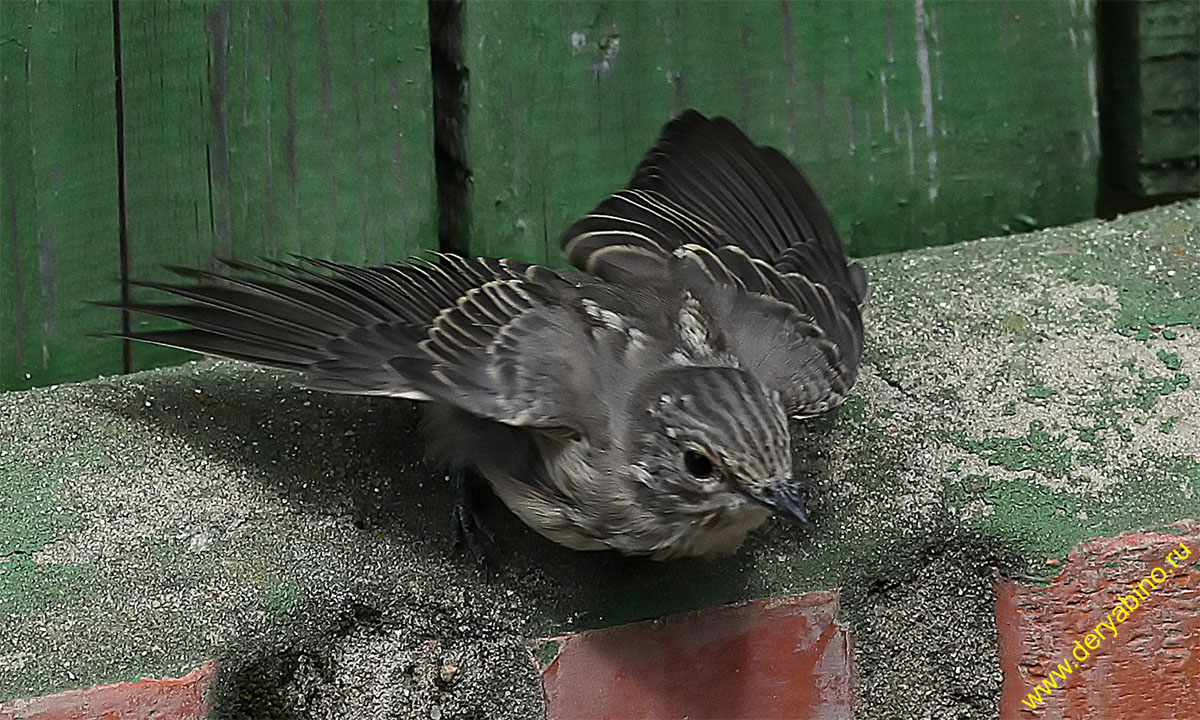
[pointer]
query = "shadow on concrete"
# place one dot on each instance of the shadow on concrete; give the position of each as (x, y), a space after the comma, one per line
(359, 457)
(362, 458)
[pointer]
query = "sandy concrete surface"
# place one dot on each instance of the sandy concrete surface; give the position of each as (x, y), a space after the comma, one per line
(1019, 394)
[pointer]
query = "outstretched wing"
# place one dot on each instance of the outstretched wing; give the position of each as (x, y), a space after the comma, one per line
(707, 200)
(757, 309)
(487, 336)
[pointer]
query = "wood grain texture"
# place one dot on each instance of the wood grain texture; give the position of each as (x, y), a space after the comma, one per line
(59, 199)
(265, 128)
(921, 122)
(1169, 89)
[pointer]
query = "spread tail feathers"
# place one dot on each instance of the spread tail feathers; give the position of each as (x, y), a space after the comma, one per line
(347, 328)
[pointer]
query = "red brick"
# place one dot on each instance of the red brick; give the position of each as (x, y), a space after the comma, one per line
(775, 658)
(161, 699)
(1151, 669)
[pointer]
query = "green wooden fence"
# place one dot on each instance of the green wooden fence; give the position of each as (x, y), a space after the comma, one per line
(920, 123)
(258, 128)
(245, 129)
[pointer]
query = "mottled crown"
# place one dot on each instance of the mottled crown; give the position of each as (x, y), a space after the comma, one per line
(727, 412)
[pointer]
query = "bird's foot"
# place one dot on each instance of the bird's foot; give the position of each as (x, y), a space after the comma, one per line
(467, 528)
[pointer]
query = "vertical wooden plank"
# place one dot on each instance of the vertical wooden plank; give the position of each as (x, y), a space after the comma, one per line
(563, 97)
(266, 128)
(920, 121)
(169, 211)
(16, 192)
(1169, 64)
(59, 193)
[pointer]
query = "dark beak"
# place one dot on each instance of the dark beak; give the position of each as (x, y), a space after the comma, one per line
(785, 499)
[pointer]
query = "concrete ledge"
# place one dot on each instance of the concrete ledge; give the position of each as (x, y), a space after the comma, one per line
(1020, 395)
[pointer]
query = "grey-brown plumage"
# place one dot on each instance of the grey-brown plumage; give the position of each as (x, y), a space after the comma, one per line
(640, 404)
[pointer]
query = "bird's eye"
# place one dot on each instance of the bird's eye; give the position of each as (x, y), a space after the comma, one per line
(697, 464)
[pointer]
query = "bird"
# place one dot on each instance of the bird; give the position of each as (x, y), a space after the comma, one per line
(637, 402)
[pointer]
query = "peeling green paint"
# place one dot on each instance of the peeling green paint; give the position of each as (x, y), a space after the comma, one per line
(1156, 296)
(1153, 387)
(27, 587)
(27, 513)
(1170, 359)
(31, 519)
(1024, 512)
(1038, 391)
(1037, 450)
(279, 598)
(546, 652)
(1043, 522)
(1111, 410)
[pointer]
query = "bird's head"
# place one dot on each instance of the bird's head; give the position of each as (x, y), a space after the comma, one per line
(716, 439)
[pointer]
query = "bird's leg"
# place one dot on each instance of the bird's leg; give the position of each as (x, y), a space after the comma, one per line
(466, 521)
